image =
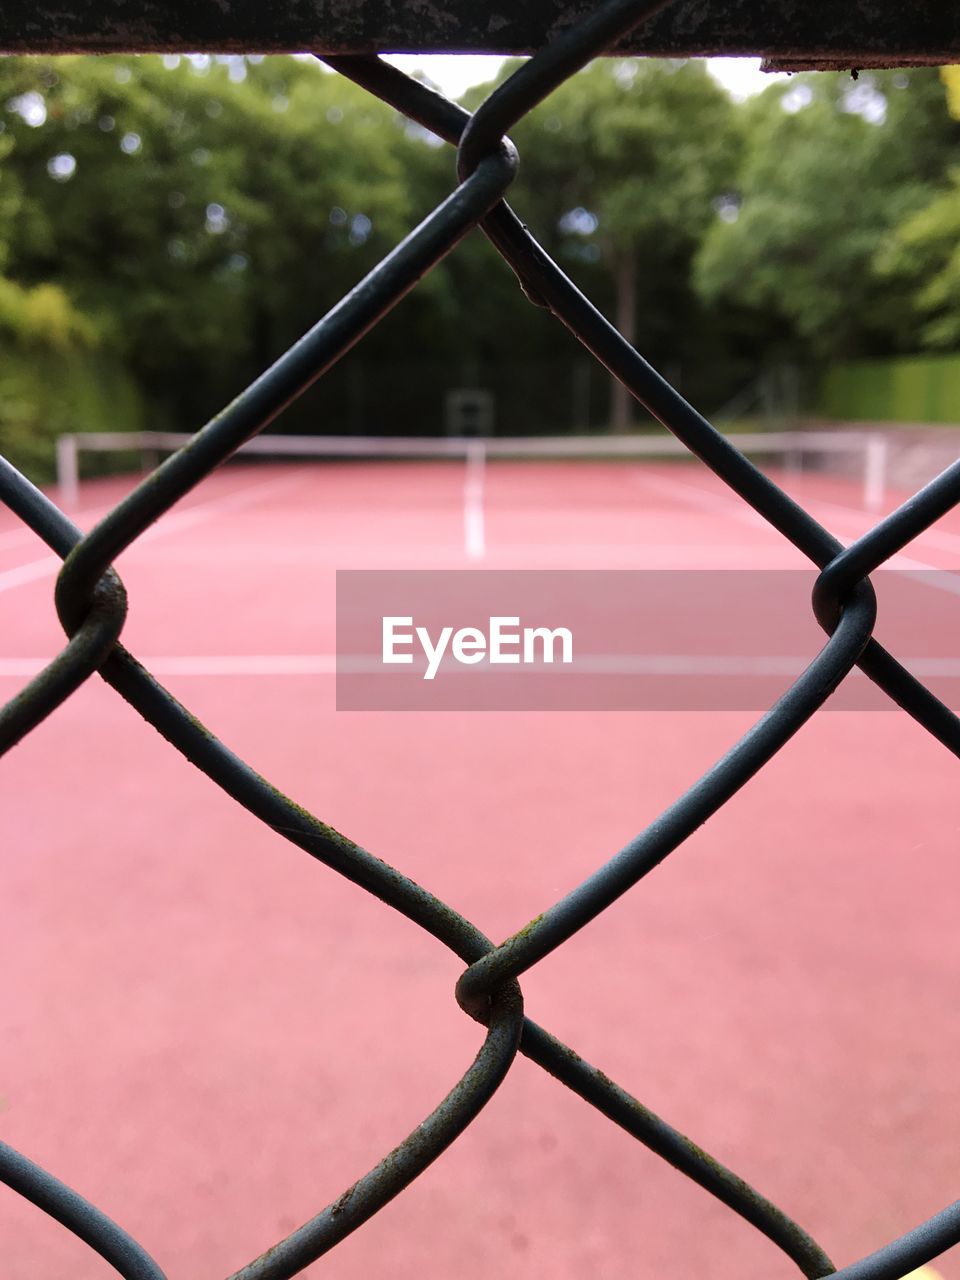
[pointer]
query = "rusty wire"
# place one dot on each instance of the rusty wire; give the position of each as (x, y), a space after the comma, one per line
(91, 604)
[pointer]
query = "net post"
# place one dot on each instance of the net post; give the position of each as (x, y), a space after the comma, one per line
(875, 473)
(68, 470)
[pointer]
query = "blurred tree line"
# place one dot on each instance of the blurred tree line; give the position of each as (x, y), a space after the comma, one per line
(168, 226)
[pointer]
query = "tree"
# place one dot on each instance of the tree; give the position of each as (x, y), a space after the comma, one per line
(831, 168)
(204, 211)
(922, 260)
(624, 166)
(923, 256)
(46, 341)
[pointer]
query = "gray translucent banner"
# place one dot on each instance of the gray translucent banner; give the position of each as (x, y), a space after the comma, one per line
(710, 640)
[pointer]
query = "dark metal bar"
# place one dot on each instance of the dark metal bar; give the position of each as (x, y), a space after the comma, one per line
(854, 33)
(77, 1215)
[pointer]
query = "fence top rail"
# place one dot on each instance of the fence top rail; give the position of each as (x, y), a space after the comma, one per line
(819, 34)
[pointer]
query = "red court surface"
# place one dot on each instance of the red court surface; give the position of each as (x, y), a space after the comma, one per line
(212, 1036)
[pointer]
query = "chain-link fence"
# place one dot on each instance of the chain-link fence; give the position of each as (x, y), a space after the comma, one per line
(91, 604)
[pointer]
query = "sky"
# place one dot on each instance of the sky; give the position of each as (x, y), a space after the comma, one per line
(456, 72)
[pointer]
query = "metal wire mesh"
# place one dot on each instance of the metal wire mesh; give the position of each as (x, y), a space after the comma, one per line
(91, 604)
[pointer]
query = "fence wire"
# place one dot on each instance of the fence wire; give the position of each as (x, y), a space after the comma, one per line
(91, 605)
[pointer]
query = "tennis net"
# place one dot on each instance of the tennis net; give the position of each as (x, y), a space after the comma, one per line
(860, 457)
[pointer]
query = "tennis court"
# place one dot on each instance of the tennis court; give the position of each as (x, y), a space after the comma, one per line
(210, 1035)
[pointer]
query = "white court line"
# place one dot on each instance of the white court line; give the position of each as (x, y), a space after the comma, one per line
(652, 664)
(13, 537)
(936, 538)
(282, 664)
(174, 523)
(696, 496)
(252, 493)
(736, 508)
(474, 523)
(29, 572)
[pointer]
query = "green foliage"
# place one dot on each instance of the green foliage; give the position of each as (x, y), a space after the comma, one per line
(203, 218)
(905, 389)
(45, 391)
(42, 317)
(923, 257)
(50, 380)
(621, 170)
(831, 169)
(168, 226)
(951, 78)
(643, 146)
